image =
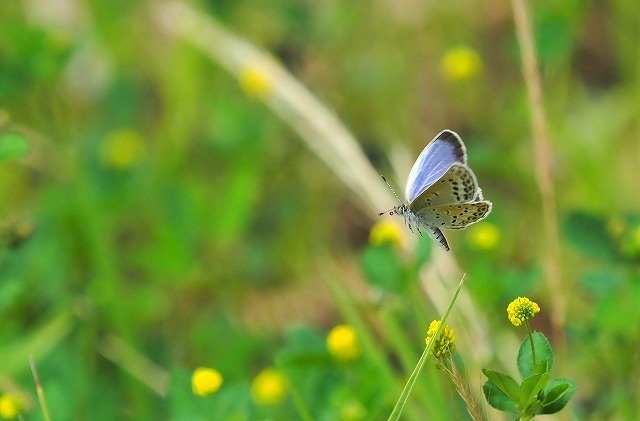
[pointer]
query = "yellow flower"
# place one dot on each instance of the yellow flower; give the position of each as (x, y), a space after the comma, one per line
(342, 343)
(352, 410)
(255, 80)
(123, 149)
(9, 407)
(385, 232)
(521, 309)
(484, 236)
(269, 387)
(206, 381)
(445, 344)
(460, 63)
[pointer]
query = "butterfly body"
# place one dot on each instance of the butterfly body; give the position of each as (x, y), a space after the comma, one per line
(442, 190)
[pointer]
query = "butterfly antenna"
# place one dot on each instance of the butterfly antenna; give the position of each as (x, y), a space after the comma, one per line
(394, 192)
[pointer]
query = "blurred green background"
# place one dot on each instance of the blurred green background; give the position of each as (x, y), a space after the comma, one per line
(157, 216)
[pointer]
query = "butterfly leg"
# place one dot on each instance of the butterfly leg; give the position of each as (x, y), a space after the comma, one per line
(419, 232)
(406, 221)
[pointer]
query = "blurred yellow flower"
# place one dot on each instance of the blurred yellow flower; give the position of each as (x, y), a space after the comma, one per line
(205, 381)
(385, 231)
(352, 410)
(342, 343)
(460, 63)
(255, 80)
(269, 387)
(9, 407)
(445, 343)
(123, 149)
(483, 236)
(521, 309)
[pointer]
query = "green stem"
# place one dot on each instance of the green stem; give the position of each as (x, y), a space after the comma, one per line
(397, 410)
(533, 348)
(40, 391)
(299, 404)
(448, 368)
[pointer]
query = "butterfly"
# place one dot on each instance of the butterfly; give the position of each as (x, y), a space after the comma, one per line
(442, 190)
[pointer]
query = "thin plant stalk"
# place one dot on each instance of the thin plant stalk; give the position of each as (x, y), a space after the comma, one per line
(461, 386)
(40, 391)
(533, 348)
(298, 402)
(397, 410)
(543, 167)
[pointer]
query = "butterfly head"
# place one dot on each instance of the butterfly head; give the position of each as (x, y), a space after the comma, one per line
(399, 210)
(396, 210)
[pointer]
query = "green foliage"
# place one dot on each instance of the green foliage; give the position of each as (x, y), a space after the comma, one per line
(145, 196)
(12, 145)
(588, 233)
(557, 394)
(543, 359)
(535, 395)
(383, 269)
(509, 391)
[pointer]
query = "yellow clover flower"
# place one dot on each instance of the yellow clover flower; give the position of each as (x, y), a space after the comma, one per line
(460, 63)
(385, 232)
(445, 344)
(269, 387)
(206, 381)
(9, 407)
(256, 80)
(484, 236)
(521, 309)
(123, 149)
(342, 343)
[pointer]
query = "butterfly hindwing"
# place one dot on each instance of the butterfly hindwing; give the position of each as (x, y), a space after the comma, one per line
(457, 185)
(434, 161)
(454, 216)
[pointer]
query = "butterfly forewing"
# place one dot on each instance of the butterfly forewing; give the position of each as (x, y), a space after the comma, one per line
(457, 185)
(434, 161)
(454, 216)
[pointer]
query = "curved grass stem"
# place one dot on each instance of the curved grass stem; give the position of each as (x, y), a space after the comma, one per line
(404, 396)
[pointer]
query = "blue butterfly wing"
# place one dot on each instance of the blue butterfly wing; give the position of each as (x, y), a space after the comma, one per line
(434, 161)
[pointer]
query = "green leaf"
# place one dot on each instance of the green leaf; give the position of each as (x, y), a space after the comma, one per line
(588, 233)
(603, 281)
(543, 353)
(498, 399)
(382, 268)
(541, 368)
(505, 383)
(38, 342)
(530, 387)
(12, 145)
(557, 395)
